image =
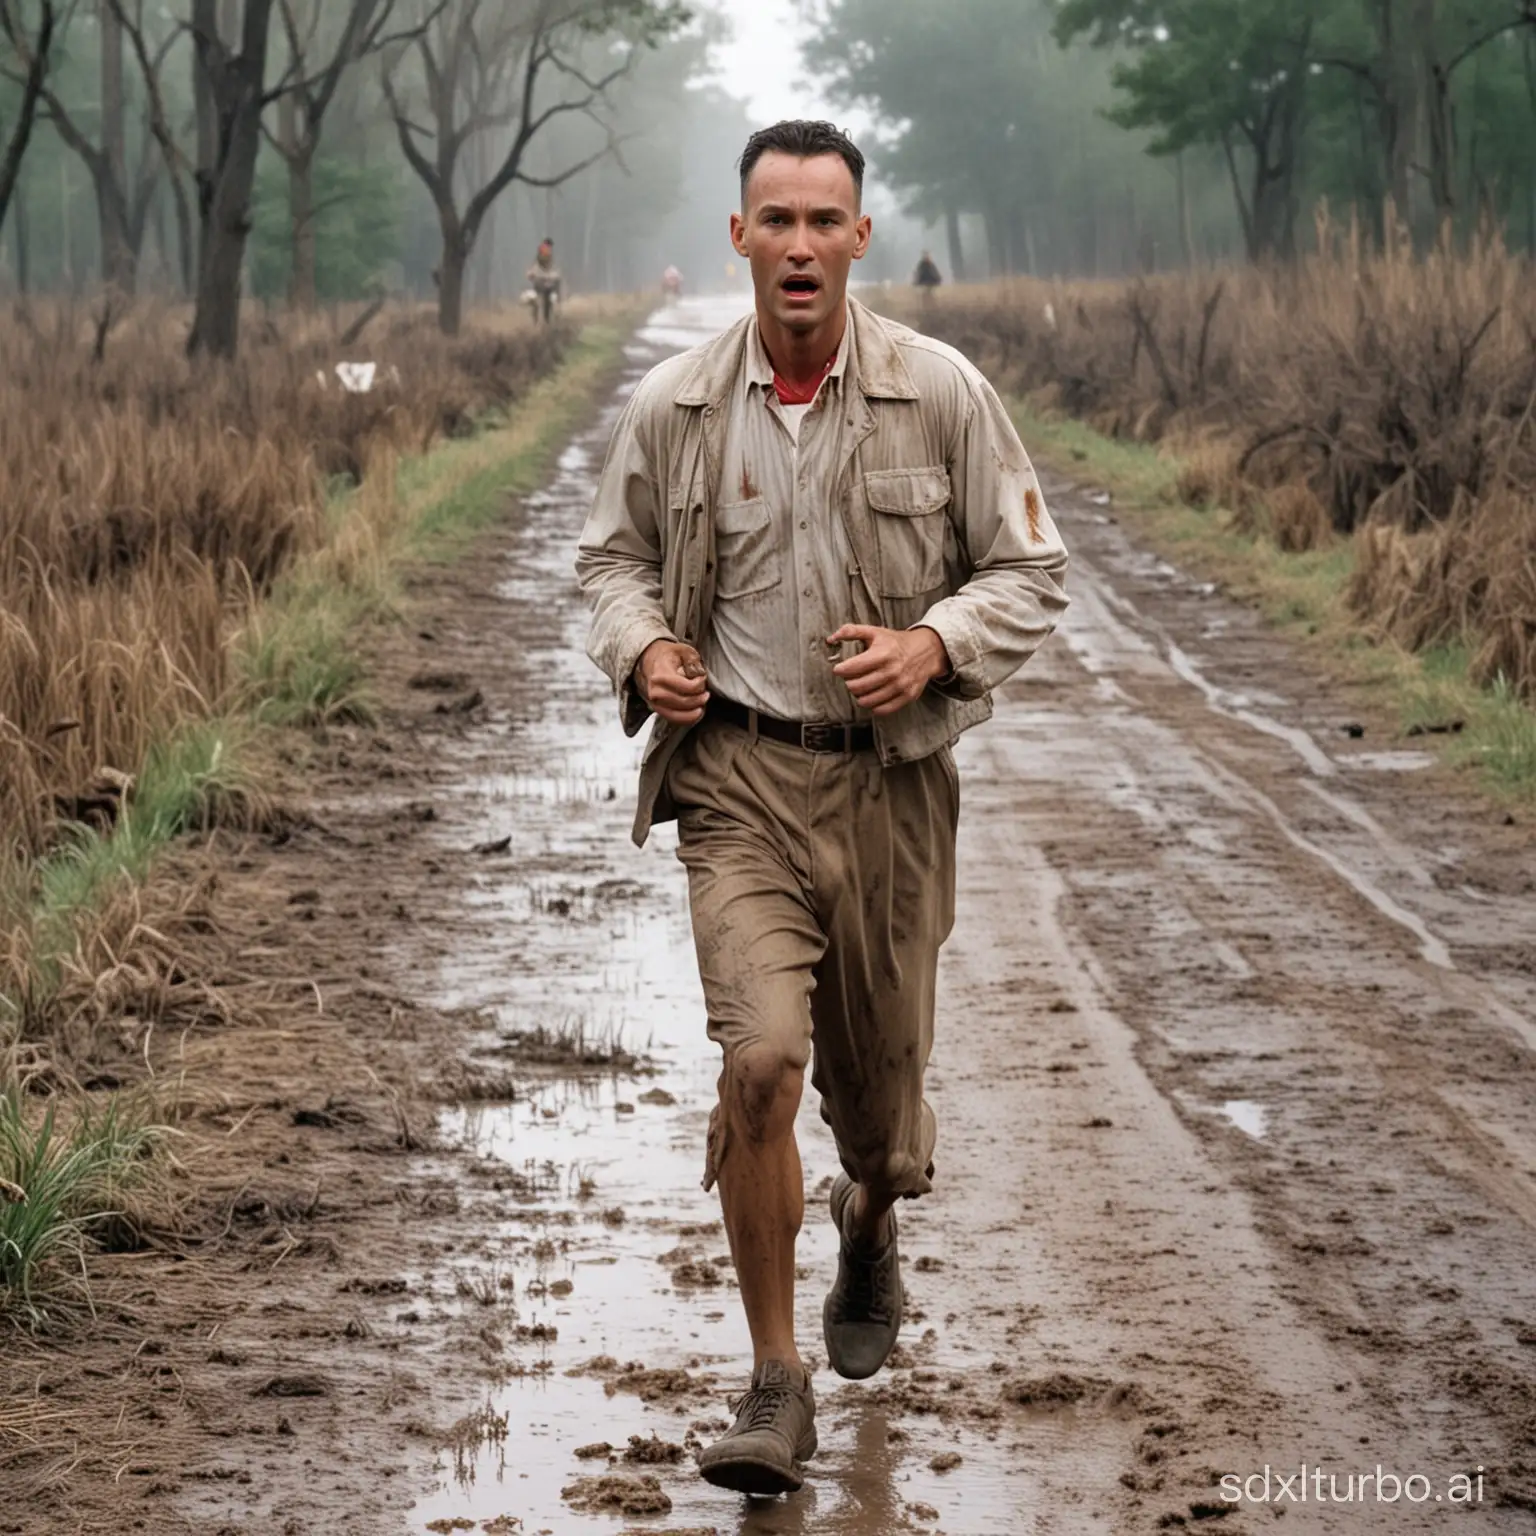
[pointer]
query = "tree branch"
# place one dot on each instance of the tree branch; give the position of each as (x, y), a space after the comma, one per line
(38, 56)
(1526, 19)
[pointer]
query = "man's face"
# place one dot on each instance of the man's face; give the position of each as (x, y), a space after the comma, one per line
(800, 230)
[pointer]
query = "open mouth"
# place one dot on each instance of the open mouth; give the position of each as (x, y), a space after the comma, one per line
(800, 287)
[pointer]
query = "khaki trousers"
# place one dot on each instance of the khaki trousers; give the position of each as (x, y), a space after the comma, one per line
(822, 886)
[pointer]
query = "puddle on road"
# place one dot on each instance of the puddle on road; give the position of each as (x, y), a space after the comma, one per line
(608, 1246)
(1247, 1116)
(1387, 762)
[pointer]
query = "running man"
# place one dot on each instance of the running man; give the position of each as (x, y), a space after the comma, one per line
(817, 545)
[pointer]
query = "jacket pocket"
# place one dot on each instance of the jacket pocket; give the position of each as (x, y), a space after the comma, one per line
(908, 507)
(746, 561)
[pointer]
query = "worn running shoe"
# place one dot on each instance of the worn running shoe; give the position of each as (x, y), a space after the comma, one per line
(862, 1313)
(775, 1431)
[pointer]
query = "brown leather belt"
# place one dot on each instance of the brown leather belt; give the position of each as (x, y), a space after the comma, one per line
(830, 736)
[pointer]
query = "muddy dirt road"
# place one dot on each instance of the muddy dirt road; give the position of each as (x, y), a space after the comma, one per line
(1237, 1163)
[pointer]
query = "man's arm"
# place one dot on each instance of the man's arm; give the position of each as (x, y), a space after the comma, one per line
(1015, 595)
(619, 562)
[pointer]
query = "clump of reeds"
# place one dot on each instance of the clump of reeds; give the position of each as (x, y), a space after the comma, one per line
(63, 1184)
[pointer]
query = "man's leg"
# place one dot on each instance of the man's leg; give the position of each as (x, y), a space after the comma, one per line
(884, 855)
(762, 1196)
(758, 944)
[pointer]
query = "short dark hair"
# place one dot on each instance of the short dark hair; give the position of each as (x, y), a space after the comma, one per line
(802, 138)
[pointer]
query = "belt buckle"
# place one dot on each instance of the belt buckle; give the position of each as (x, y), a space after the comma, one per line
(820, 737)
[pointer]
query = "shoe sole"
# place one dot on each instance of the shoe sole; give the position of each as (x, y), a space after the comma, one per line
(759, 1478)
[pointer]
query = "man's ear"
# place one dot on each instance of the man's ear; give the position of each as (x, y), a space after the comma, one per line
(739, 234)
(862, 231)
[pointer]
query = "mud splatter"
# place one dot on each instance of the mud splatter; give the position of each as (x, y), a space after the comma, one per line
(1032, 514)
(652, 1451)
(618, 1493)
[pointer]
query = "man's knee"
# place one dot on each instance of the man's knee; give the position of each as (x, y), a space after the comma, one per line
(762, 1088)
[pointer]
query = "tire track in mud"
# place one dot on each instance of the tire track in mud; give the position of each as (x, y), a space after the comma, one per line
(1231, 1172)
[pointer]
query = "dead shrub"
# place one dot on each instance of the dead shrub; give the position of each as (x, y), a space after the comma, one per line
(1469, 580)
(1208, 477)
(1298, 521)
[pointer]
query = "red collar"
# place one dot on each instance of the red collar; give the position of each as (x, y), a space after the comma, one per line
(796, 394)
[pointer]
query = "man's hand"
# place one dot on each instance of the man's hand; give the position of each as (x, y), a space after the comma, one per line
(893, 668)
(672, 680)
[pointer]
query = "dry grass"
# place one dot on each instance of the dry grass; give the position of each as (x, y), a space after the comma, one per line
(145, 502)
(1353, 394)
(1466, 579)
(182, 547)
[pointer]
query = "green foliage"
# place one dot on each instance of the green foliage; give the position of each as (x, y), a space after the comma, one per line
(357, 227)
(1198, 70)
(1226, 73)
(1275, 102)
(57, 1186)
(1050, 178)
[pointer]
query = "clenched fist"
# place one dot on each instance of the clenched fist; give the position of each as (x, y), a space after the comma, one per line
(672, 680)
(893, 668)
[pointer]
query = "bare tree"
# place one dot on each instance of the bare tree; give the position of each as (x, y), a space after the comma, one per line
(34, 50)
(302, 109)
(151, 56)
(485, 65)
(122, 200)
(236, 84)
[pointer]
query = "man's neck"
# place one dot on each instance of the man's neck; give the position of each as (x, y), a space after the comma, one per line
(800, 357)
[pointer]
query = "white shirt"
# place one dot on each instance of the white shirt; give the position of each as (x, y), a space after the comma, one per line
(784, 564)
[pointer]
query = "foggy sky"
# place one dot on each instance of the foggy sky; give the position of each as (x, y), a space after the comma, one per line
(761, 64)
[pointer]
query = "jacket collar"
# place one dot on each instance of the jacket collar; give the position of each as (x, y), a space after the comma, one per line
(874, 363)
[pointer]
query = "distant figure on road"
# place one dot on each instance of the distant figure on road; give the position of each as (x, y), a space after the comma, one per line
(927, 277)
(672, 283)
(816, 546)
(543, 278)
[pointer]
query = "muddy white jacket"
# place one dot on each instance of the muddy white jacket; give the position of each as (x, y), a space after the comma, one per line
(938, 499)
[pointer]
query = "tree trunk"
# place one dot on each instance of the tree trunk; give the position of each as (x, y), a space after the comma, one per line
(1440, 131)
(300, 159)
(23, 240)
(216, 326)
(1268, 214)
(118, 263)
(186, 236)
(588, 224)
(1245, 209)
(303, 282)
(1186, 233)
(956, 247)
(1399, 107)
(118, 258)
(996, 245)
(206, 116)
(14, 150)
(450, 284)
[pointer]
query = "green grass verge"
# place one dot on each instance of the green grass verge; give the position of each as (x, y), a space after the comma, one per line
(452, 494)
(1304, 596)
